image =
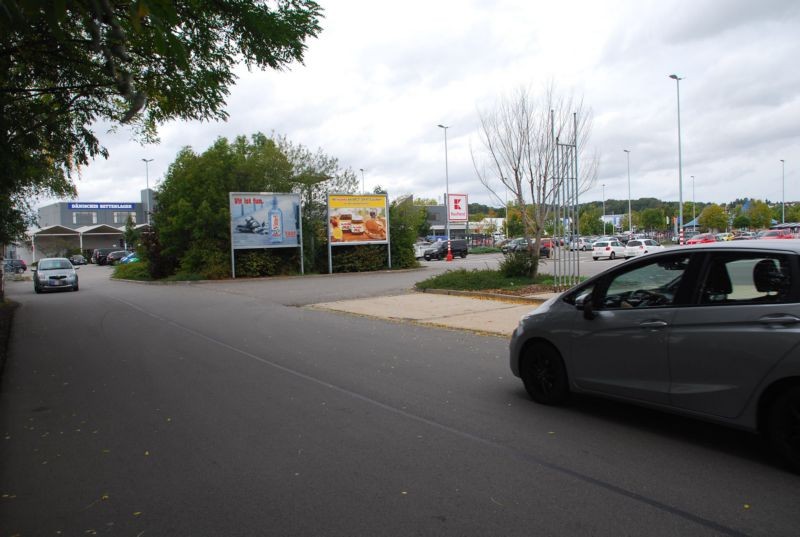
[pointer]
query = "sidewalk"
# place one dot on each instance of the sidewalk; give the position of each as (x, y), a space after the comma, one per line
(472, 313)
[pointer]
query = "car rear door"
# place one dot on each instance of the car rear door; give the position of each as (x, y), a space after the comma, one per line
(737, 329)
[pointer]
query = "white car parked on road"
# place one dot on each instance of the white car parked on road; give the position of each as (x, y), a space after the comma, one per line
(641, 246)
(611, 249)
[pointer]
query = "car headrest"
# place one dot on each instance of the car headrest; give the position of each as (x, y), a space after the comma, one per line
(768, 277)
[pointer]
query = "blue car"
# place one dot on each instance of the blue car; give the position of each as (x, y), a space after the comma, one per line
(130, 258)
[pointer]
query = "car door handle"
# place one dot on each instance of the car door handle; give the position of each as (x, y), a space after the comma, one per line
(653, 324)
(779, 319)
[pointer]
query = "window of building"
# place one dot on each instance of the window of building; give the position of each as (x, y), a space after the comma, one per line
(122, 218)
(84, 218)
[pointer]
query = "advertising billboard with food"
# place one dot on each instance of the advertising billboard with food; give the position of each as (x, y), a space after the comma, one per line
(357, 219)
(265, 220)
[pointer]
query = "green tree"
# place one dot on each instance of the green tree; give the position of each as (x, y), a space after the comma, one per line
(713, 218)
(742, 221)
(68, 65)
(193, 218)
(130, 234)
(760, 214)
(590, 221)
(653, 219)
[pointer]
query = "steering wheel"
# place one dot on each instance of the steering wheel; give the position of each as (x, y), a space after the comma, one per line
(648, 297)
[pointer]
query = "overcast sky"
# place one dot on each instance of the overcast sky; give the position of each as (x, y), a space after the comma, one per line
(382, 75)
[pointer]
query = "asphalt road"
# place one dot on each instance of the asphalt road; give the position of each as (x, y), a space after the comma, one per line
(232, 409)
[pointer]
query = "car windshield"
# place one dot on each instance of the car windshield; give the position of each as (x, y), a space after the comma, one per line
(54, 264)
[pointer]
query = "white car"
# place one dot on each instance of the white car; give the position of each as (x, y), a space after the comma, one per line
(582, 243)
(611, 249)
(420, 247)
(641, 246)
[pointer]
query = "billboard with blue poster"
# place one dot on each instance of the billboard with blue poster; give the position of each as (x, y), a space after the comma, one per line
(265, 220)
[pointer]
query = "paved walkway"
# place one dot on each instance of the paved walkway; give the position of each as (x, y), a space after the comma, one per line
(474, 314)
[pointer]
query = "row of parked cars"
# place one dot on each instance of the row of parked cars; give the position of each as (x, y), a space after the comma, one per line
(112, 256)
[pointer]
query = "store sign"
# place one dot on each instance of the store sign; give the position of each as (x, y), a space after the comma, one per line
(357, 219)
(264, 220)
(457, 208)
(101, 206)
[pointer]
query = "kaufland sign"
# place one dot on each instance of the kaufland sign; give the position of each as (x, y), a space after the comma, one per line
(457, 208)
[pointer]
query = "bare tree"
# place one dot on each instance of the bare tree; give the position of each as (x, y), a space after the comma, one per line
(518, 137)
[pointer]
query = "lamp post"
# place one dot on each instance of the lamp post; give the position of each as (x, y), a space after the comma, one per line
(677, 80)
(447, 190)
(693, 204)
(630, 215)
(783, 191)
(147, 162)
(604, 208)
(363, 191)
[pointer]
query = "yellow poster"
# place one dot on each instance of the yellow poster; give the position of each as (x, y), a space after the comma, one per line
(356, 219)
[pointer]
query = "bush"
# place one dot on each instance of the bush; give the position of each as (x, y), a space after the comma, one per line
(132, 271)
(519, 263)
(275, 262)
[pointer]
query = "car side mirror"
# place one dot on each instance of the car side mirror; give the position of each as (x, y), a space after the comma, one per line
(584, 304)
(77, 268)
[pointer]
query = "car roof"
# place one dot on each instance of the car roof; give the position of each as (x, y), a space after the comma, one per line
(786, 245)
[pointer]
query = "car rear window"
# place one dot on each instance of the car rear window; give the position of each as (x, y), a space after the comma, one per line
(634, 243)
(600, 244)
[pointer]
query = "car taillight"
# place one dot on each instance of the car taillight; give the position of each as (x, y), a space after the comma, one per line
(641, 247)
(608, 248)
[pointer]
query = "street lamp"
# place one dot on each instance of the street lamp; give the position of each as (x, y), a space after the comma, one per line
(604, 208)
(630, 216)
(783, 191)
(363, 191)
(447, 185)
(677, 80)
(147, 162)
(693, 205)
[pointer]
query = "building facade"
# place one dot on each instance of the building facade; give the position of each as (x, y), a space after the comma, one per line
(76, 214)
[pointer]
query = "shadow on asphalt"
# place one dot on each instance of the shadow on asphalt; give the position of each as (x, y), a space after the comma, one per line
(734, 442)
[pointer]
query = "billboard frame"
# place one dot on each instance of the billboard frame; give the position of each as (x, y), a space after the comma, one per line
(358, 203)
(295, 198)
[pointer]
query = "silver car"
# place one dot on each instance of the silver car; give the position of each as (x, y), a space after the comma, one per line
(55, 273)
(711, 331)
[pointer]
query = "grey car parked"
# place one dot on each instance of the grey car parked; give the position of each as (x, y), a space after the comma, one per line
(710, 331)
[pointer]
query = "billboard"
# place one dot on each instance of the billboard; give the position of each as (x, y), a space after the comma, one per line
(357, 219)
(457, 208)
(264, 220)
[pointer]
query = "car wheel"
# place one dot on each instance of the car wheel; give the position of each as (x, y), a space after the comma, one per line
(463, 255)
(20, 270)
(783, 426)
(544, 375)
(36, 289)
(612, 256)
(75, 287)
(594, 258)
(427, 258)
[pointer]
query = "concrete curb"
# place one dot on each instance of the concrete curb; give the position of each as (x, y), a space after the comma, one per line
(485, 296)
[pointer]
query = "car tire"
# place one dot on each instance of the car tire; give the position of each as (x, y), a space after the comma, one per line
(427, 258)
(612, 256)
(595, 258)
(36, 289)
(783, 426)
(20, 270)
(75, 288)
(544, 374)
(463, 255)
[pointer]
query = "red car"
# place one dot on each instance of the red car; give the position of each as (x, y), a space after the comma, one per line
(776, 234)
(702, 238)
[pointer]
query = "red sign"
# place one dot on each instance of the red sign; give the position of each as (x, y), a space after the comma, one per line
(457, 207)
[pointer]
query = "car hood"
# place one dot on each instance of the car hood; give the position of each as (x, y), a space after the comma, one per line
(56, 272)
